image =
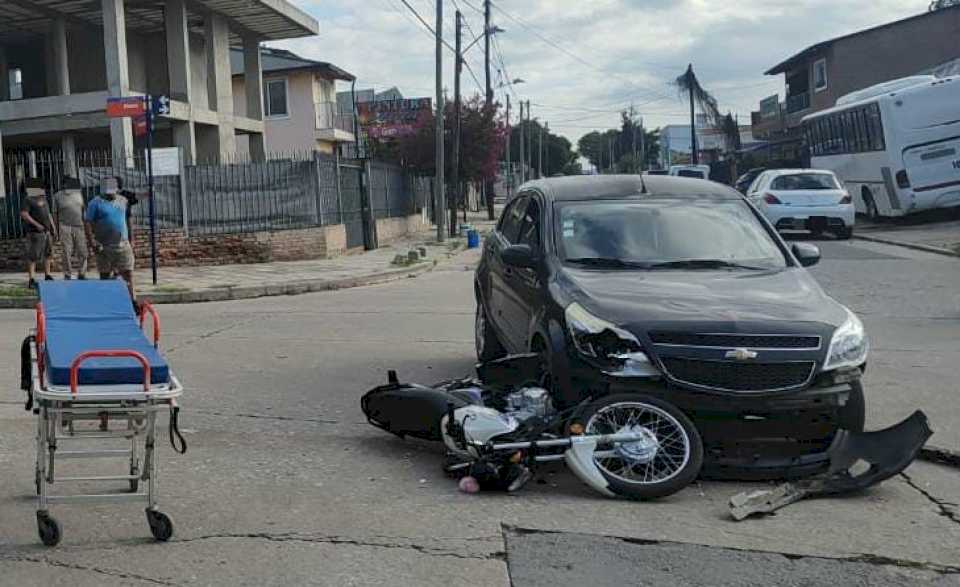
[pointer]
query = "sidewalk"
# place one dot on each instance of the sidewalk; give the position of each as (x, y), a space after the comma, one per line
(216, 283)
(940, 237)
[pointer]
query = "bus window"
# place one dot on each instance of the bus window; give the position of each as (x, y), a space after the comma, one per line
(876, 128)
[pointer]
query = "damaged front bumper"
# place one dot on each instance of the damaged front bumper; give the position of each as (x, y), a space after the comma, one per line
(757, 436)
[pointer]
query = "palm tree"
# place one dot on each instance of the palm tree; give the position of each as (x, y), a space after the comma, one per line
(688, 85)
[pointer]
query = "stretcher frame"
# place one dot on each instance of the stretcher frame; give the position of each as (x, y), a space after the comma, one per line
(134, 407)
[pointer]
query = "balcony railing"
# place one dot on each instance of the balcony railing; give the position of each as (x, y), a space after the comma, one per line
(798, 102)
(331, 117)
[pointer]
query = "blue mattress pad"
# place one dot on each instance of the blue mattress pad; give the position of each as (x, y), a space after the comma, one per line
(86, 316)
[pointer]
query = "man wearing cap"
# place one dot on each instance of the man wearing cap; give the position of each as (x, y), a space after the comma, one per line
(39, 228)
(106, 226)
(68, 210)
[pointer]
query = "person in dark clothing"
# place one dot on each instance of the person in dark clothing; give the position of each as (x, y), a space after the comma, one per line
(40, 230)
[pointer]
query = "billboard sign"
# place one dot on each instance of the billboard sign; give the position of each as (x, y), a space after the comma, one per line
(128, 106)
(770, 107)
(392, 118)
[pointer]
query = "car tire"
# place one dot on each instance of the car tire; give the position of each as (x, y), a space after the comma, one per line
(853, 415)
(845, 233)
(487, 345)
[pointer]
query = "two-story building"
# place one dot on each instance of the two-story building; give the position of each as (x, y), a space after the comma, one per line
(60, 62)
(815, 77)
(301, 112)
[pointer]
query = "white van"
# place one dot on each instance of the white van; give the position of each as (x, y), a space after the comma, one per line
(697, 171)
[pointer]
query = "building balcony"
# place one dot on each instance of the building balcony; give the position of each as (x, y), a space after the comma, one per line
(333, 124)
(798, 102)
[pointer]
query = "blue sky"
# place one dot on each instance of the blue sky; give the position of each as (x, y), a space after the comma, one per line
(584, 60)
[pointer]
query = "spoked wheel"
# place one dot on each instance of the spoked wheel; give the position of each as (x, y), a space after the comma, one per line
(666, 459)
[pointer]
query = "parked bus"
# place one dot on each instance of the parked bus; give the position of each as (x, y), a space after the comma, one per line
(895, 146)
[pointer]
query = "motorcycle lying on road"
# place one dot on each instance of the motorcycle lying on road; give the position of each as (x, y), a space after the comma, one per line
(498, 428)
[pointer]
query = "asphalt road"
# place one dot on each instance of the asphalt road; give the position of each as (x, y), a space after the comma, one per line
(285, 483)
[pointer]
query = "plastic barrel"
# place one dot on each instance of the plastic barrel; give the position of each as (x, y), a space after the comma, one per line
(473, 239)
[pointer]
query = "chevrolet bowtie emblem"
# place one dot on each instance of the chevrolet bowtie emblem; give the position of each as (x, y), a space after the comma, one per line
(741, 355)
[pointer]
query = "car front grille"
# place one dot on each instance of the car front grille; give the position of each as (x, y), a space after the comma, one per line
(753, 341)
(738, 377)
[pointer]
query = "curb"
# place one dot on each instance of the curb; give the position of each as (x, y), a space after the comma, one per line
(291, 288)
(906, 245)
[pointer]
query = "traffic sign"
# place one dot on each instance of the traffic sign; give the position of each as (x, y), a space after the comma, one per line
(125, 107)
(161, 105)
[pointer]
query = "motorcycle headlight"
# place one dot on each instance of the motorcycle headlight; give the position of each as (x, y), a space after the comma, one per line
(596, 338)
(848, 346)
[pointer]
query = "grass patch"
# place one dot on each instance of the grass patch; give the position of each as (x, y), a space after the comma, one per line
(15, 291)
(170, 289)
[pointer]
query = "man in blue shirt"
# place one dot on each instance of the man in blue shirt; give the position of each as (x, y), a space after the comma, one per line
(106, 226)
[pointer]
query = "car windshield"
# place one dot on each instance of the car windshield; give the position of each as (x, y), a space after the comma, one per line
(687, 233)
(805, 181)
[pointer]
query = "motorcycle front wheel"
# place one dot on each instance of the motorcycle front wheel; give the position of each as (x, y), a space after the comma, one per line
(665, 462)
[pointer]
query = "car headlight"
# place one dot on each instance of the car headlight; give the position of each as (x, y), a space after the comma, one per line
(849, 346)
(600, 340)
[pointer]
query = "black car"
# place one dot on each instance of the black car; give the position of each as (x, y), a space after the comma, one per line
(678, 289)
(743, 182)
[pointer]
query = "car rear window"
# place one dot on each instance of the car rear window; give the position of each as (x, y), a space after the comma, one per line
(805, 181)
(690, 173)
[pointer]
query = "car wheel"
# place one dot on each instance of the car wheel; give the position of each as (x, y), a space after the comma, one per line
(845, 233)
(853, 415)
(487, 344)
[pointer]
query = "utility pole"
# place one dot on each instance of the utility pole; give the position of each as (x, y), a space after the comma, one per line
(540, 151)
(487, 31)
(633, 126)
(546, 150)
(529, 140)
(441, 198)
(457, 198)
(610, 145)
(523, 172)
(694, 157)
(643, 146)
(509, 182)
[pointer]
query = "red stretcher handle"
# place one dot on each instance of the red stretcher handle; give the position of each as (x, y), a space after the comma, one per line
(147, 308)
(75, 366)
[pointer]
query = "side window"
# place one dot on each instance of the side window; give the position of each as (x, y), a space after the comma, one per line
(530, 230)
(513, 218)
(755, 186)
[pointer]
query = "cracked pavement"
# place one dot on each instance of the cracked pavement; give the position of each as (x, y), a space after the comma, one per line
(285, 483)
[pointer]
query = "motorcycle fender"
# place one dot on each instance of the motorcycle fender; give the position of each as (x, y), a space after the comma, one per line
(579, 458)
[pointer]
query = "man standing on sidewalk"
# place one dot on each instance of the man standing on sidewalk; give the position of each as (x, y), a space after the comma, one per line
(38, 225)
(68, 210)
(106, 226)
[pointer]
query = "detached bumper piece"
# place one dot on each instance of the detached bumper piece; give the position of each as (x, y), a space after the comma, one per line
(858, 460)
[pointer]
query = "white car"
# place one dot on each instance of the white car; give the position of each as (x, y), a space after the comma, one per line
(697, 171)
(804, 199)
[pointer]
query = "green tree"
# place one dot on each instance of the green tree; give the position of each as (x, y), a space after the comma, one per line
(558, 152)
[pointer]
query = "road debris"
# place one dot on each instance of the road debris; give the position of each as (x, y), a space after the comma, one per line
(858, 460)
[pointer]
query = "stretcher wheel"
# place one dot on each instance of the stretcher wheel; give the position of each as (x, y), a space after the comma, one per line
(161, 526)
(48, 528)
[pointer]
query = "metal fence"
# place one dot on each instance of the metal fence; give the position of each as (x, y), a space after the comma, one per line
(287, 191)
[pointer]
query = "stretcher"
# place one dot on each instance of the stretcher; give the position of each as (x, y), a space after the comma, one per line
(97, 385)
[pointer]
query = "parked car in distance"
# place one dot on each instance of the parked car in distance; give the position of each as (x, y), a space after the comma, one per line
(743, 182)
(696, 171)
(678, 289)
(804, 199)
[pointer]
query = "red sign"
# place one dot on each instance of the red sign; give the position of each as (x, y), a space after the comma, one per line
(392, 118)
(131, 106)
(140, 126)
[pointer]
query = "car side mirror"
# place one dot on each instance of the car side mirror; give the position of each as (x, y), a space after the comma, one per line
(806, 253)
(519, 256)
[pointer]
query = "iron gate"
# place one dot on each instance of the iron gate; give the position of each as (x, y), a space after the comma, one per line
(351, 203)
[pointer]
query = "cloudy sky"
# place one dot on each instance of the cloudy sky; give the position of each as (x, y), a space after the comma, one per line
(584, 60)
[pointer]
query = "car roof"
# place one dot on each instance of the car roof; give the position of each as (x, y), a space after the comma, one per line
(779, 172)
(599, 187)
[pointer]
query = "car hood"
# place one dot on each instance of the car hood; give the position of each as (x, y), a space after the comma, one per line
(728, 300)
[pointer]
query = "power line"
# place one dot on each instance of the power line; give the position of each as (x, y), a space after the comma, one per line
(426, 24)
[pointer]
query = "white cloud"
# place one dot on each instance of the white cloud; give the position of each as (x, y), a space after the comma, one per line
(625, 50)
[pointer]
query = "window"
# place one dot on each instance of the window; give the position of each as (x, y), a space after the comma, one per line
(804, 181)
(275, 98)
(512, 219)
(819, 75)
(530, 231)
(15, 83)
